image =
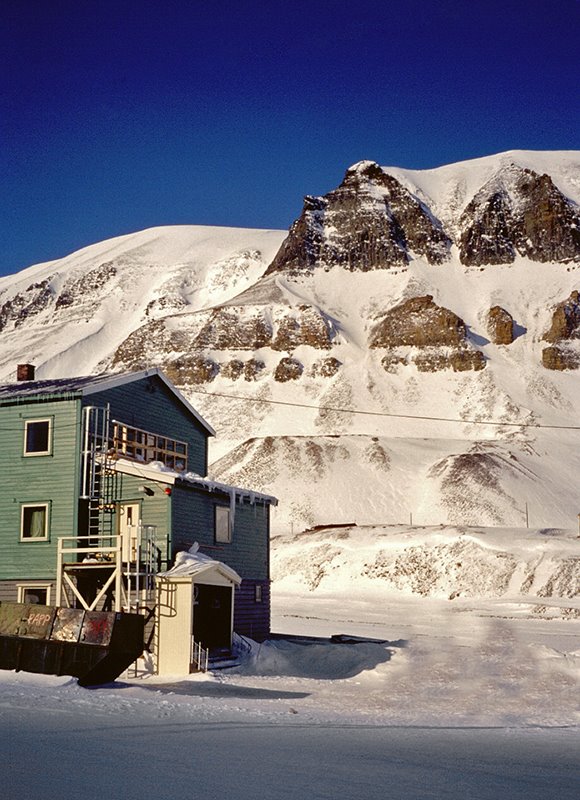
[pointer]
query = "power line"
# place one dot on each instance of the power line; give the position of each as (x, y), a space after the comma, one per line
(386, 413)
(358, 411)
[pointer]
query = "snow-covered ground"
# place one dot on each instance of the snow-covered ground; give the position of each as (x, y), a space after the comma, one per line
(475, 697)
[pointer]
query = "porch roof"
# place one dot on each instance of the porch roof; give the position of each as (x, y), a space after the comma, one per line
(194, 564)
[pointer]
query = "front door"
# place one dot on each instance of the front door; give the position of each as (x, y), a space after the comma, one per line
(129, 518)
(212, 616)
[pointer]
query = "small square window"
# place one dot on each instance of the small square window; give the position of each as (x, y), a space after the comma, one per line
(223, 532)
(34, 593)
(37, 435)
(34, 522)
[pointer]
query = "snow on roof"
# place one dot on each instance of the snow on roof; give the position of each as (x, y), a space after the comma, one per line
(157, 471)
(90, 384)
(194, 563)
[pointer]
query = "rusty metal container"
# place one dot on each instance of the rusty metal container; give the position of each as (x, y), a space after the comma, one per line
(93, 646)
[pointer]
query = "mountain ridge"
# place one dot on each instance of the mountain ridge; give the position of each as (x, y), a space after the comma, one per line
(376, 312)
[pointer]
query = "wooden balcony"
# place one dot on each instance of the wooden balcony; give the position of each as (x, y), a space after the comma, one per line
(144, 446)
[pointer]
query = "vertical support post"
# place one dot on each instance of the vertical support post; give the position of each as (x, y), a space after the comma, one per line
(59, 573)
(138, 535)
(118, 573)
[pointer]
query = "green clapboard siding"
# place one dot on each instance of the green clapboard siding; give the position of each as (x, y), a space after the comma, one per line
(150, 405)
(155, 509)
(193, 516)
(52, 479)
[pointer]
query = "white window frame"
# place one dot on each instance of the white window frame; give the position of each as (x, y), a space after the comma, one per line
(44, 538)
(22, 587)
(31, 453)
(223, 525)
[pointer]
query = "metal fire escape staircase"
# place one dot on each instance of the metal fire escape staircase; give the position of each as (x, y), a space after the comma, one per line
(126, 564)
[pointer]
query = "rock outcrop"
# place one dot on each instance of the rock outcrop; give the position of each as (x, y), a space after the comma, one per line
(234, 329)
(560, 357)
(520, 212)
(369, 222)
(306, 326)
(419, 322)
(236, 368)
(565, 320)
(439, 335)
(289, 369)
(91, 282)
(24, 305)
(500, 325)
(564, 328)
(459, 360)
(187, 343)
(325, 367)
(194, 369)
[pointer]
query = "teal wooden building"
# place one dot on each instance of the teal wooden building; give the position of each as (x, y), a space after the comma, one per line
(103, 481)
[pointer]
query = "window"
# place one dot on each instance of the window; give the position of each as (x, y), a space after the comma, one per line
(258, 593)
(37, 436)
(37, 593)
(223, 531)
(34, 522)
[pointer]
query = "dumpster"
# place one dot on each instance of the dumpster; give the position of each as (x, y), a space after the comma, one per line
(93, 646)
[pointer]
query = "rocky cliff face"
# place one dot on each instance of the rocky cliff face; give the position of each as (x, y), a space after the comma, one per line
(520, 212)
(23, 306)
(195, 348)
(563, 333)
(369, 222)
(437, 335)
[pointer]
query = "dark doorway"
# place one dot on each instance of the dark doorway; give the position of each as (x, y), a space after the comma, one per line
(212, 616)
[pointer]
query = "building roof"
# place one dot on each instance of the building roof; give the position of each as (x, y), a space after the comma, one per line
(90, 384)
(195, 564)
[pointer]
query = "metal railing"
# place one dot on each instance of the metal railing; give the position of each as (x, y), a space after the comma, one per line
(199, 656)
(132, 558)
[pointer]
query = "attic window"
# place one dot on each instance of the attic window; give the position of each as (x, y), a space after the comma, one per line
(37, 437)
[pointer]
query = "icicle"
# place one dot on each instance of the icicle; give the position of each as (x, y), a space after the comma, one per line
(232, 511)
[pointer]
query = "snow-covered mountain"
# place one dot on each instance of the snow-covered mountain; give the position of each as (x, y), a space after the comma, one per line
(442, 303)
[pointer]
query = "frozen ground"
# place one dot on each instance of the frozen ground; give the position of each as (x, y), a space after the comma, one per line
(476, 700)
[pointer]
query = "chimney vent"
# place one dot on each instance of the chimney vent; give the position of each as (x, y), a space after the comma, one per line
(25, 372)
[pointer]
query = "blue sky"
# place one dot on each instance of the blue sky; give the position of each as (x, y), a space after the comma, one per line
(118, 116)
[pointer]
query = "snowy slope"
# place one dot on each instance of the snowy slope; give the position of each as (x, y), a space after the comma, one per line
(279, 362)
(100, 294)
